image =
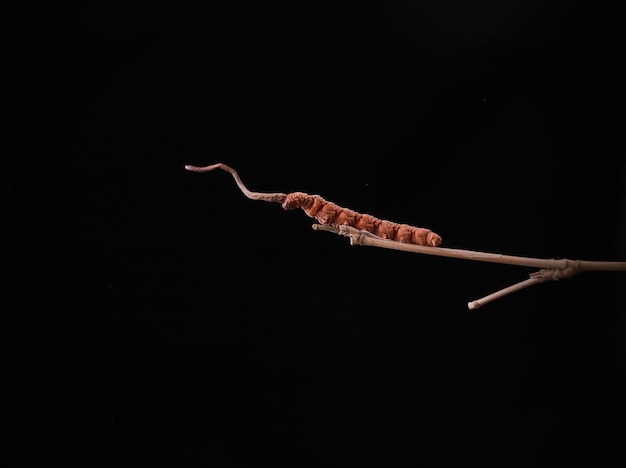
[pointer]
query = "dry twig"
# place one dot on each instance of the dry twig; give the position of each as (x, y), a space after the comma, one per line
(550, 269)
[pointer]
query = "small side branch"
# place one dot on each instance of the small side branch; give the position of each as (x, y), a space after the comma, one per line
(472, 305)
(550, 269)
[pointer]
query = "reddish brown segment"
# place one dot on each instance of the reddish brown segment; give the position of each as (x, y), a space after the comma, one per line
(328, 213)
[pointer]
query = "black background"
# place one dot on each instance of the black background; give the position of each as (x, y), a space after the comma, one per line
(156, 315)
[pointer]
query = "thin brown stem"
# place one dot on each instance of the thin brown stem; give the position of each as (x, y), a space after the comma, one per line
(268, 197)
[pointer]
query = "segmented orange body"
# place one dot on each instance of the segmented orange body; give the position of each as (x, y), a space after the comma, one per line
(329, 213)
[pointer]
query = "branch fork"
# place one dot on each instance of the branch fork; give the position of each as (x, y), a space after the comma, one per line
(550, 269)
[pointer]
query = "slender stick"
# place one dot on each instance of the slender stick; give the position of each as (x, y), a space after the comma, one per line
(551, 269)
(365, 238)
(503, 292)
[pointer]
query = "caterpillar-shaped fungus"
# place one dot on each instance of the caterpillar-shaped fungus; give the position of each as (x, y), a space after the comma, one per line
(328, 213)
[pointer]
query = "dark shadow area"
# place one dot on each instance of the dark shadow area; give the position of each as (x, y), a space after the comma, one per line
(158, 317)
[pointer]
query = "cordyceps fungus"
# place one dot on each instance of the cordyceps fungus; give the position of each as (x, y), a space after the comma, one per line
(333, 215)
